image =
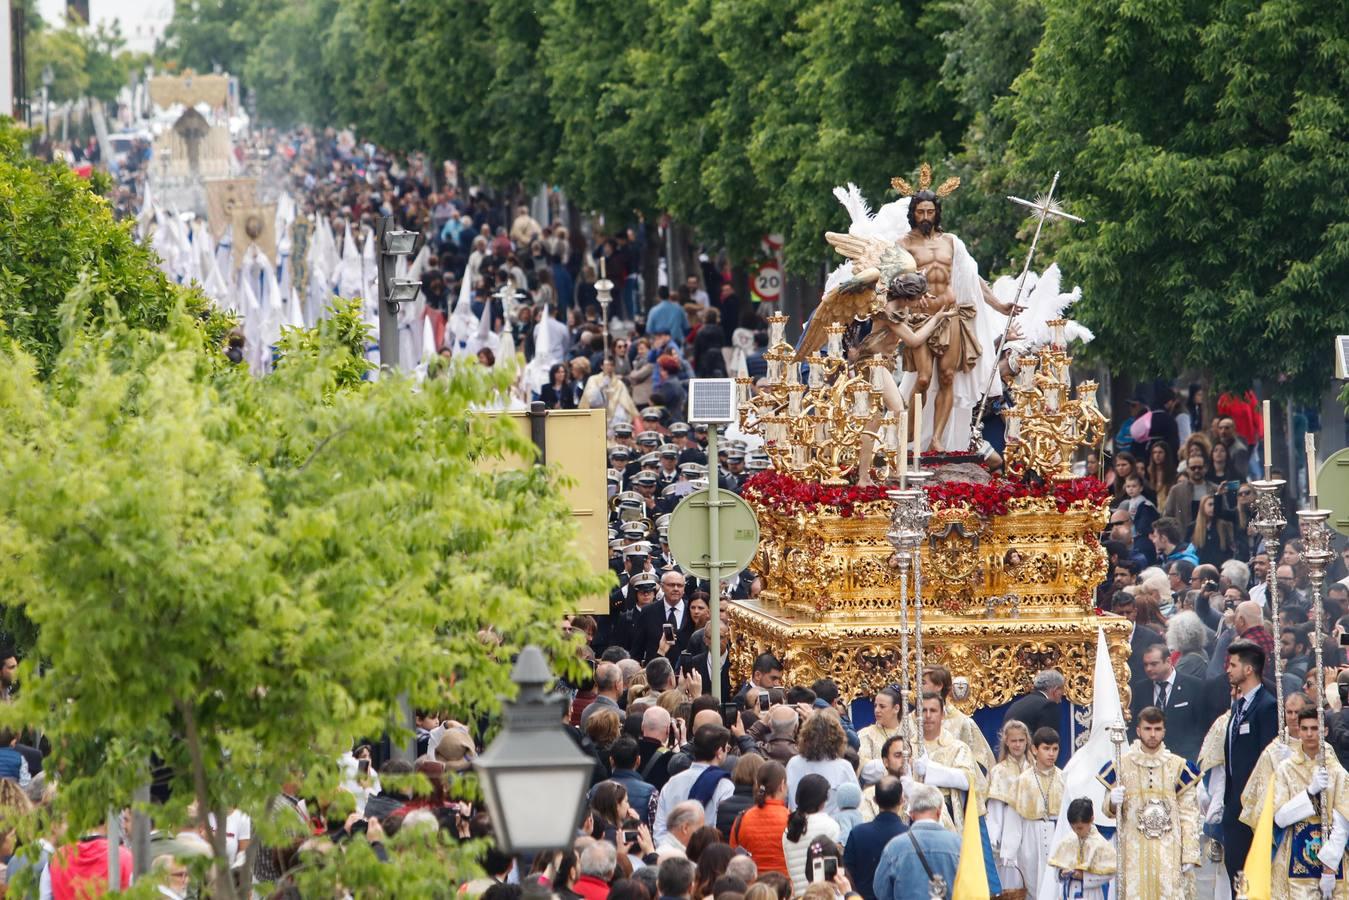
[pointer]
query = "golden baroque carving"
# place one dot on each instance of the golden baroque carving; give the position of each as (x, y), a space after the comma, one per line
(999, 658)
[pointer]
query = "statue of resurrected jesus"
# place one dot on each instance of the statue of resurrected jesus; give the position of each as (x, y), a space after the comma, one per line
(960, 350)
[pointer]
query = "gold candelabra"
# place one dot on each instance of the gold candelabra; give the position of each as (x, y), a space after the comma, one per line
(1045, 424)
(813, 429)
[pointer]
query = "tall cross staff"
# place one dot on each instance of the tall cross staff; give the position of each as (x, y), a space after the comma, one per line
(1042, 208)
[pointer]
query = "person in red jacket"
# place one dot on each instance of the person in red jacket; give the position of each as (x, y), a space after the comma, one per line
(597, 865)
(81, 871)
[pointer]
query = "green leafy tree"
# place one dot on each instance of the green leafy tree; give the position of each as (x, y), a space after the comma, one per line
(606, 157)
(984, 55)
(66, 54)
(862, 102)
(239, 576)
(289, 77)
(56, 232)
(1205, 146)
(206, 34)
(106, 63)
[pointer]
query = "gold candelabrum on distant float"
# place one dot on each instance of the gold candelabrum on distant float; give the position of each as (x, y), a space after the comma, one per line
(813, 429)
(1045, 425)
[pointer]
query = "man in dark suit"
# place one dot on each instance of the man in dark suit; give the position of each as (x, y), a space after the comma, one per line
(1042, 707)
(866, 842)
(702, 662)
(1254, 723)
(1179, 697)
(651, 638)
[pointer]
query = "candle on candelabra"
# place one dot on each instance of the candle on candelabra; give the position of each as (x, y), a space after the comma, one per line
(794, 400)
(862, 403)
(903, 444)
(774, 370)
(1269, 439)
(835, 342)
(892, 437)
(1311, 466)
(793, 372)
(776, 324)
(918, 428)
(816, 375)
(602, 275)
(877, 376)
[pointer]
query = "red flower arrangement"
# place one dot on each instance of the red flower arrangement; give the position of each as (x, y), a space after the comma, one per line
(785, 494)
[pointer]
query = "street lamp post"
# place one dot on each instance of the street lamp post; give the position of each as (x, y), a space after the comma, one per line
(533, 776)
(604, 293)
(48, 76)
(392, 244)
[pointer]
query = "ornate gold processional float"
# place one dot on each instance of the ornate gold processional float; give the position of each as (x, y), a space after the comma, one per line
(871, 571)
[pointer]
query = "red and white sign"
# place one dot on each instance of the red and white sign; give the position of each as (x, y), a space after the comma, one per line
(768, 282)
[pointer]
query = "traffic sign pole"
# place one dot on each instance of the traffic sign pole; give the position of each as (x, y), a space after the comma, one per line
(714, 564)
(713, 531)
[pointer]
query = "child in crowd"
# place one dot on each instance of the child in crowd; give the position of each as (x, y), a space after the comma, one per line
(1086, 861)
(1013, 759)
(1029, 830)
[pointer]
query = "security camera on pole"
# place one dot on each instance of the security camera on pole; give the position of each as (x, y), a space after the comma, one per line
(392, 244)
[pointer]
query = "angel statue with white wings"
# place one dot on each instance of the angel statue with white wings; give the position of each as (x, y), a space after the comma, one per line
(922, 289)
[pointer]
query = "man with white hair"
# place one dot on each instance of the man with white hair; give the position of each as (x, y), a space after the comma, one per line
(901, 873)
(744, 868)
(1041, 708)
(653, 762)
(596, 865)
(1187, 635)
(684, 819)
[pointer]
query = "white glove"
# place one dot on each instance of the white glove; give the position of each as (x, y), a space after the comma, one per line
(1320, 781)
(1282, 750)
(1117, 797)
(1327, 884)
(907, 784)
(1215, 812)
(1186, 868)
(1008, 861)
(920, 766)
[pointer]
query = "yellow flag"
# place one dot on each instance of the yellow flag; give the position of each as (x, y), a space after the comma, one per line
(1259, 867)
(971, 876)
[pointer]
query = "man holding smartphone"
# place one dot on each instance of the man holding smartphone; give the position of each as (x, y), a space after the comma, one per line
(663, 628)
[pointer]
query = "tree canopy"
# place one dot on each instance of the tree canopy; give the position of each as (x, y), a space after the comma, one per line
(230, 579)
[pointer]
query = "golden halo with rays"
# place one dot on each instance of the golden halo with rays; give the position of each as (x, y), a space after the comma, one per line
(906, 189)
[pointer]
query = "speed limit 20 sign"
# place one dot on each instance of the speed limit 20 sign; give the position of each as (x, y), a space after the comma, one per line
(768, 282)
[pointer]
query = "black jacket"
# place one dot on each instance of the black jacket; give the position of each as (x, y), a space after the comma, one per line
(647, 631)
(1035, 710)
(1186, 713)
(732, 806)
(1246, 746)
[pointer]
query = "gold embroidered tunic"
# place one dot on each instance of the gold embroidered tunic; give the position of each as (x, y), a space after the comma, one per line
(954, 755)
(1298, 862)
(1092, 855)
(1159, 829)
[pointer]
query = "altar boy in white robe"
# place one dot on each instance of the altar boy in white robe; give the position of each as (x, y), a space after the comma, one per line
(1028, 831)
